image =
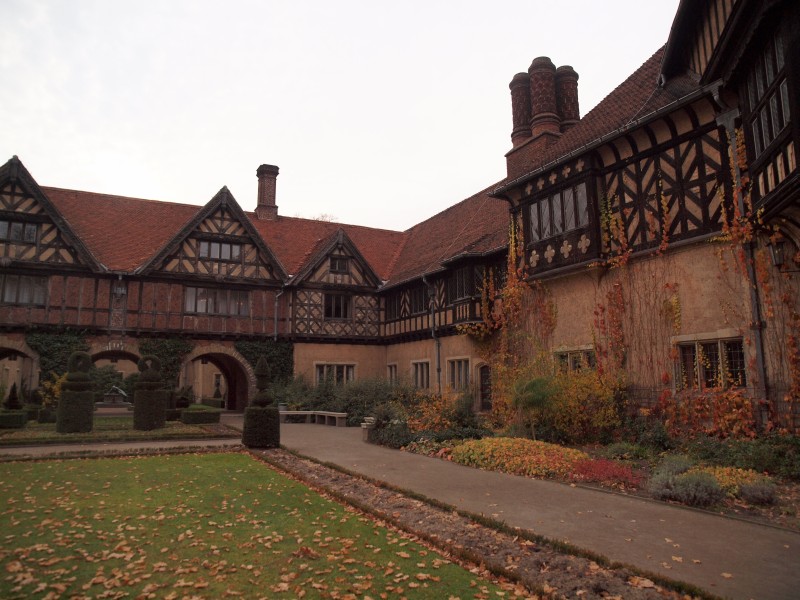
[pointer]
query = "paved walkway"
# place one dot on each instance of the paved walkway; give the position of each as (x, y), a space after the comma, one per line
(727, 557)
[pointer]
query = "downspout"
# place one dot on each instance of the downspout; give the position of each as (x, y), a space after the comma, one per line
(728, 121)
(275, 325)
(436, 340)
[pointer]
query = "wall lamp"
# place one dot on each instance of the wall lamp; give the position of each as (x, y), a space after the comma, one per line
(778, 250)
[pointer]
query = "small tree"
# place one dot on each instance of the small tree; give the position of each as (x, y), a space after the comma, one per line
(12, 402)
(531, 397)
(262, 428)
(76, 407)
(149, 397)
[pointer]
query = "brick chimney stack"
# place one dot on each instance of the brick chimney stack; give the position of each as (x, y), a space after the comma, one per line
(544, 109)
(567, 96)
(266, 209)
(520, 88)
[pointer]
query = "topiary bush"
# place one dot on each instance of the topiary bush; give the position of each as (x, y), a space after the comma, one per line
(262, 424)
(149, 398)
(75, 412)
(12, 401)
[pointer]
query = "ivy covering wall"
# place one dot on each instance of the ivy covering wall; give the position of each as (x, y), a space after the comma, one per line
(171, 352)
(54, 348)
(278, 354)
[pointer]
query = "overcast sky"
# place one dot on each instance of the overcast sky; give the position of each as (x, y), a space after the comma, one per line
(378, 113)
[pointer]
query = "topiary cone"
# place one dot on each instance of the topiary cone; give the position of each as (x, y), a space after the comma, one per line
(262, 424)
(75, 413)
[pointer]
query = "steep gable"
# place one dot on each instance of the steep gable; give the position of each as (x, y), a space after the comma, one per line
(337, 261)
(32, 230)
(219, 242)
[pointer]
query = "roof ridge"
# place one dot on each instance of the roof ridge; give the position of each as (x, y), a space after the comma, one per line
(103, 194)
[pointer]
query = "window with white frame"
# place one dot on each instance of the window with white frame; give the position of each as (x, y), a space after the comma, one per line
(335, 373)
(391, 374)
(458, 373)
(711, 363)
(421, 374)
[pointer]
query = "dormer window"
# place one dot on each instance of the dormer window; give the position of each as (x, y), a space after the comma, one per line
(558, 213)
(339, 264)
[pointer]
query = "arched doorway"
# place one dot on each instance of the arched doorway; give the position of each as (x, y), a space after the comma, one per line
(219, 368)
(18, 368)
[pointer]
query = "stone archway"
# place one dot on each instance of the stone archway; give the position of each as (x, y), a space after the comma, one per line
(18, 363)
(240, 379)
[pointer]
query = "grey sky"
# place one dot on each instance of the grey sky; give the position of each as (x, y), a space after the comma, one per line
(379, 113)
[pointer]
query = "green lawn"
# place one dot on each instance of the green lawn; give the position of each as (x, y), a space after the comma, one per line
(108, 429)
(201, 526)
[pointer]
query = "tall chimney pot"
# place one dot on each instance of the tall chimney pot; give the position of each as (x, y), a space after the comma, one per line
(567, 96)
(266, 209)
(520, 88)
(544, 110)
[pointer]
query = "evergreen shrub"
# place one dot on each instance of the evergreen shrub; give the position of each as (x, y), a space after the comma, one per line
(13, 419)
(261, 427)
(75, 412)
(198, 414)
(149, 399)
(262, 423)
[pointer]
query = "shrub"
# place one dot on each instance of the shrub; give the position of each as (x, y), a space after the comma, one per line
(625, 451)
(13, 419)
(674, 465)
(174, 414)
(606, 472)
(12, 402)
(75, 413)
(731, 479)
(46, 415)
(395, 435)
(760, 492)
(197, 414)
(518, 456)
(214, 402)
(149, 399)
(775, 454)
(584, 408)
(697, 489)
(262, 423)
(262, 428)
(649, 432)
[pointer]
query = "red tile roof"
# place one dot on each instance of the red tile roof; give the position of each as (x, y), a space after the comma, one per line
(476, 225)
(122, 233)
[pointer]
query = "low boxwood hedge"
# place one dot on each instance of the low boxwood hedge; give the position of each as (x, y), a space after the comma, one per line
(13, 419)
(199, 414)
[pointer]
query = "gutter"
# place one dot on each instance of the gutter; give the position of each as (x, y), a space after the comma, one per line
(436, 340)
(275, 315)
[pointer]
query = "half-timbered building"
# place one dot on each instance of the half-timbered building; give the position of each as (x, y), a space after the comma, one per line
(626, 214)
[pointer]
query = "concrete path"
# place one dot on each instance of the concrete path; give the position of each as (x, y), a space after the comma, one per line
(727, 557)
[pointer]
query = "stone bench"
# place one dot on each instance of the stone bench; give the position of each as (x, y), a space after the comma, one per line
(321, 417)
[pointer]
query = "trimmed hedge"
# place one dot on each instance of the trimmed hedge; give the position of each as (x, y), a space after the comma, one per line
(149, 399)
(214, 402)
(198, 414)
(13, 419)
(174, 414)
(262, 427)
(75, 412)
